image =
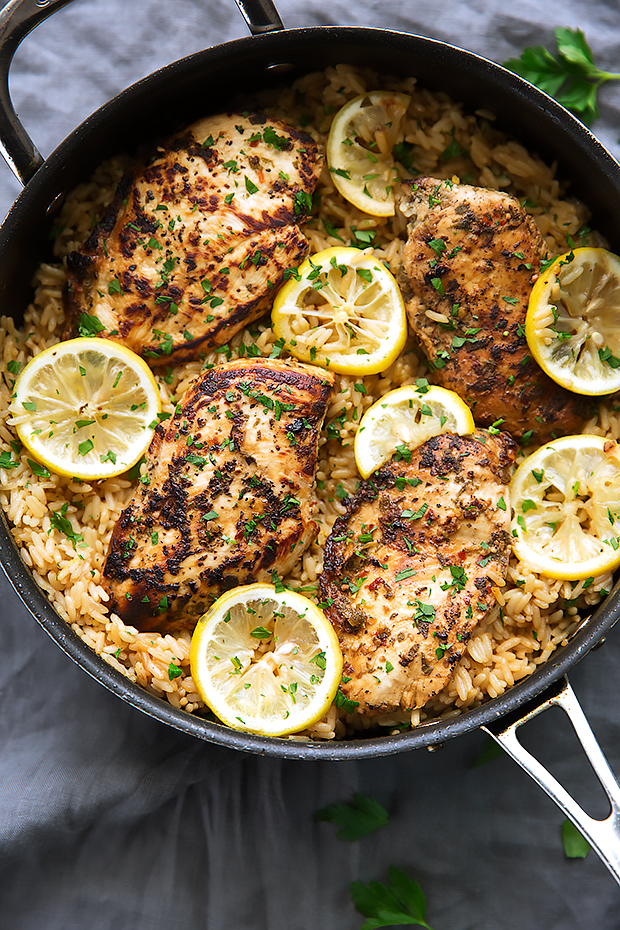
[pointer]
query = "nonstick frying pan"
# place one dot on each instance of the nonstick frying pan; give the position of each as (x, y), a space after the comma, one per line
(208, 80)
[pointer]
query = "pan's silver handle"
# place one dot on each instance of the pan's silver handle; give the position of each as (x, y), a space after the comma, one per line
(603, 835)
(260, 15)
(17, 19)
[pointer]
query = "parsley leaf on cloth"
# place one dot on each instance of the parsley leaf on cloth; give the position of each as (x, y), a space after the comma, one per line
(572, 78)
(357, 819)
(576, 845)
(490, 750)
(400, 902)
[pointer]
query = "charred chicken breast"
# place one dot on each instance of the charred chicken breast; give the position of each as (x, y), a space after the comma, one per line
(197, 239)
(469, 264)
(227, 498)
(411, 568)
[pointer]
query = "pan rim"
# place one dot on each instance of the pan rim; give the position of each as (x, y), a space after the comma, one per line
(429, 735)
(514, 85)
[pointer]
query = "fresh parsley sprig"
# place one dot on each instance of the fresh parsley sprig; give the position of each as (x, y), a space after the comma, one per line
(572, 78)
(357, 819)
(399, 902)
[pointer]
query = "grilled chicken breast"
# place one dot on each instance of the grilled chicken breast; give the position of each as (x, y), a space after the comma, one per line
(469, 265)
(197, 239)
(228, 495)
(406, 572)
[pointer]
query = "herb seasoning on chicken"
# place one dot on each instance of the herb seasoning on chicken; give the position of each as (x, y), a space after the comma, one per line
(470, 262)
(197, 239)
(227, 498)
(412, 566)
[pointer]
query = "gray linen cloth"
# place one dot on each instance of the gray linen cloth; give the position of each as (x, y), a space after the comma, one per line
(109, 819)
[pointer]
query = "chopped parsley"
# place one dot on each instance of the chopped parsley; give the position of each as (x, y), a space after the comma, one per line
(343, 702)
(174, 671)
(89, 325)
(415, 514)
(459, 579)
(424, 613)
(60, 522)
(6, 461)
(260, 632)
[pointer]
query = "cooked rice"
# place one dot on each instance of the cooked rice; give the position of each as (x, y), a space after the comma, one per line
(533, 614)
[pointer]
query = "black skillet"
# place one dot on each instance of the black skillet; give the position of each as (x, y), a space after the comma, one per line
(216, 75)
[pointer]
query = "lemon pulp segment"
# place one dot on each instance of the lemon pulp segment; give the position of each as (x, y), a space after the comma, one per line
(344, 311)
(406, 417)
(360, 150)
(267, 661)
(573, 321)
(566, 501)
(86, 408)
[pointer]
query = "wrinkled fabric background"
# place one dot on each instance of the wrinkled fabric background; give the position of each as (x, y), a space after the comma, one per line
(109, 819)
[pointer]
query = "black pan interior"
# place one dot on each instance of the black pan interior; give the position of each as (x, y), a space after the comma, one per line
(208, 82)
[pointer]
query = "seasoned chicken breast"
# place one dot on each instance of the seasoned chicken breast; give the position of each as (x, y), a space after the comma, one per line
(228, 494)
(412, 566)
(197, 238)
(469, 265)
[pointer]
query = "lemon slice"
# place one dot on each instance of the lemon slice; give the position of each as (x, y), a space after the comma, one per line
(573, 321)
(344, 311)
(267, 661)
(359, 149)
(407, 417)
(566, 501)
(86, 408)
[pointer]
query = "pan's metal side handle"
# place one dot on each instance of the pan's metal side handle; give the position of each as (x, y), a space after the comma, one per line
(17, 19)
(603, 835)
(260, 15)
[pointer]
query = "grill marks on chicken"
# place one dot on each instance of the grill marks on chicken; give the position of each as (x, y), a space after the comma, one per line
(407, 569)
(228, 497)
(470, 262)
(198, 238)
